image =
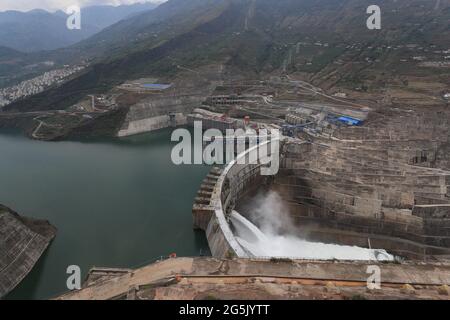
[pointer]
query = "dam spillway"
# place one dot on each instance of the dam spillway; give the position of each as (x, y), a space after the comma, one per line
(325, 215)
(258, 244)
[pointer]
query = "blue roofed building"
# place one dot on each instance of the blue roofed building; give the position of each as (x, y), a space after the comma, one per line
(350, 121)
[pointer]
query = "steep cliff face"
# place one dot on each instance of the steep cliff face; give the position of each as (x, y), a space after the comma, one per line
(22, 242)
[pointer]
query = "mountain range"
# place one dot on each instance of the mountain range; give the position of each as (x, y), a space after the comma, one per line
(326, 41)
(41, 30)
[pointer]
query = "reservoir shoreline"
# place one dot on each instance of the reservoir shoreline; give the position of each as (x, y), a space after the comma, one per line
(109, 198)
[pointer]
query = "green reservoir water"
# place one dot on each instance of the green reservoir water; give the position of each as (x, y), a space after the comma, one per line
(115, 203)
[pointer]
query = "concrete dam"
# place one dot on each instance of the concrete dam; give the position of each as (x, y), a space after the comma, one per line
(360, 217)
(324, 207)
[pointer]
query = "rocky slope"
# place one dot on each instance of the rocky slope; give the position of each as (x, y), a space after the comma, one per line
(22, 242)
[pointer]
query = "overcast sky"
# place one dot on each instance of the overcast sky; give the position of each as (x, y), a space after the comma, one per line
(52, 5)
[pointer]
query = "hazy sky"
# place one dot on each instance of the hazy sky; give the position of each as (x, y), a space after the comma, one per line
(52, 5)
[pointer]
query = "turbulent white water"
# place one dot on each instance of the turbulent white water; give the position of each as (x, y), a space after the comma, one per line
(270, 245)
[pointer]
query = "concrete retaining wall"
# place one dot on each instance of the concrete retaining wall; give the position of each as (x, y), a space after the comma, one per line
(153, 112)
(152, 124)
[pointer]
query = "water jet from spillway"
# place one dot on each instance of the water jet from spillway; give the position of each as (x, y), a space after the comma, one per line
(259, 244)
